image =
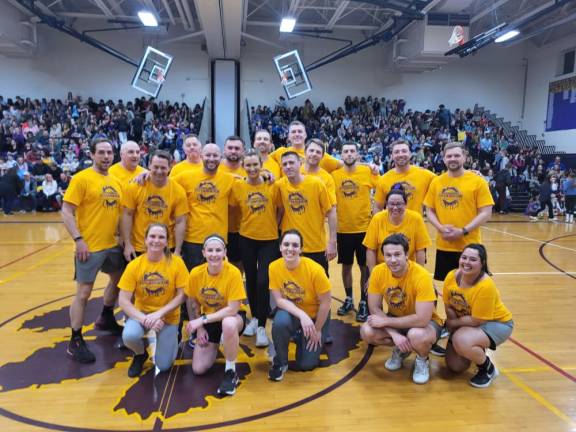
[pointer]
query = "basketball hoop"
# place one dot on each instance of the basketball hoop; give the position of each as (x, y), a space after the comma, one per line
(284, 79)
(157, 75)
(457, 37)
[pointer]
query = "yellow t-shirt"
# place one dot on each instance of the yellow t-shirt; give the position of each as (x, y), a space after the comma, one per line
(154, 284)
(208, 197)
(326, 179)
(272, 166)
(123, 175)
(412, 227)
(329, 163)
(152, 204)
(184, 166)
(257, 210)
(305, 207)
(234, 215)
(216, 292)
(354, 208)
(415, 183)
(302, 286)
(97, 199)
(401, 295)
(456, 201)
(481, 301)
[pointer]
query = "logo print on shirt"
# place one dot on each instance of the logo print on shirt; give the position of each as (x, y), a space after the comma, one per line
(349, 189)
(154, 284)
(212, 297)
(292, 292)
(110, 197)
(395, 297)
(450, 197)
(459, 304)
(406, 187)
(256, 202)
(206, 192)
(297, 202)
(155, 206)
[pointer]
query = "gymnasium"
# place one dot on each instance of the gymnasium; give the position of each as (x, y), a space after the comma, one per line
(499, 76)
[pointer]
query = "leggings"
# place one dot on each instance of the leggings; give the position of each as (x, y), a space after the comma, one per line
(166, 342)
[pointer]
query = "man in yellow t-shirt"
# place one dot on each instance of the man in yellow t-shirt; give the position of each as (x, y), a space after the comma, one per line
(305, 203)
(208, 192)
(159, 199)
(232, 164)
(128, 168)
(90, 213)
(411, 323)
(192, 149)
(313, 154)
(354, 184)
(458, 202)
(263, 145)
(413, 180)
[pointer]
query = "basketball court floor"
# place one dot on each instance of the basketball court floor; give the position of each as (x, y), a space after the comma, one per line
(534, 266)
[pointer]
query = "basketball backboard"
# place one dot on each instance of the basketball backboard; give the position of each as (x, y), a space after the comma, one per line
(152, 71)
(292, 74)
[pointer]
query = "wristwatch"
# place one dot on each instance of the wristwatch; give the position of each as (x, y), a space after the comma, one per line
(204, 318)
(465, 232)
(78, 238)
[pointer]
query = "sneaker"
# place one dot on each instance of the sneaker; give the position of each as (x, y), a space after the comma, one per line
(79, 351)
(438, 351)
(444, 333)
(276, 372)
(229, 383)
(533, 219)
(421, 373)
(346, 307)
(250, 329)
(362, 314)
(484, 376)
(554, 219)
(108, 323)
(395, 362)
(261, 337)
(135, 369)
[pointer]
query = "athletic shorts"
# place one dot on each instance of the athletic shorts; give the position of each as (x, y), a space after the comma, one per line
(350, 244)
(446, 261)
(215, 329)
(107, 260)
(498, 332)
(318, 257)
(233, 248)
(192, 255)
(437, 328)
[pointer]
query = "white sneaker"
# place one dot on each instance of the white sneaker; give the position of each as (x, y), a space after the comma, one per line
(250, 329)
(261, 337)
(421, 373)
(395, 362)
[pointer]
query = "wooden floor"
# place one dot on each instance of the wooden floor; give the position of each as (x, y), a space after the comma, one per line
(40, 389)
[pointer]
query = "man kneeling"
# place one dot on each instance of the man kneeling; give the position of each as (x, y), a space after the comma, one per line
(411, 323)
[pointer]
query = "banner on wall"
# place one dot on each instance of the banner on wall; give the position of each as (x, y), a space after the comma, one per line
(561, 105)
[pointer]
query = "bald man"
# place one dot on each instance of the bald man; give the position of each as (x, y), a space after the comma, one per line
(128, 168)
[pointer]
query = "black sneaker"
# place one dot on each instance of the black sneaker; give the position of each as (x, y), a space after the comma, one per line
(78, 350)
(346, 307)
(276, 372)
(229, 383)
(484, 376)
(138, 361)
(438, 351)
(362, 314)
(108, 323)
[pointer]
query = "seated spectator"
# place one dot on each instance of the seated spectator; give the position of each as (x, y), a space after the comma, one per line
(48, 200)
(28, 194)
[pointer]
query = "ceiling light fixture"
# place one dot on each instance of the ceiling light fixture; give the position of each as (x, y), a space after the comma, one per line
(148, 19)
(287, 25)
(507, 36)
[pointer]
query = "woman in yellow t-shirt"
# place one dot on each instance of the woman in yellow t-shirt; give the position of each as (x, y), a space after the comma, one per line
(151, 289)
(215, 291)
(302, 293)
(476, 317)
(258, 241)
(396, 219)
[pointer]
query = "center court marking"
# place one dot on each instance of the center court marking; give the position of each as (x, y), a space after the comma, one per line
(529, 239)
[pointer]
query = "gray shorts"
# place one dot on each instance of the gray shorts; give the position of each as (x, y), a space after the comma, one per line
(497, 331)
(437, 328)
(107, 260)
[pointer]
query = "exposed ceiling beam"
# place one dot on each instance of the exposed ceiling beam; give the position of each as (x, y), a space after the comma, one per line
(182, 14)
(550, 26)
(314, 26)
(337, 14)
(188, 14)
(103, 7)
(181, 38)
(169, 12)
(116, 7)
(488, 10)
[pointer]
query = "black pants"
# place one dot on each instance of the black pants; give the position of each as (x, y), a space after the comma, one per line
(549, 205)
(256, 257)
(570, 204)
(320, 258)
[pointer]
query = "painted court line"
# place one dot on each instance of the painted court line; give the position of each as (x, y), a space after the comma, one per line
(26, 256)
(38, 264)
(529, 238)
(533, 273)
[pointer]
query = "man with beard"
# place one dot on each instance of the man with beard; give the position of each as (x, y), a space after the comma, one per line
(458, 202)
(208, 192)
(412, 179)
(353, 183)
(192, 149)
(128, 168)
(263, 145)
(232, 164)
(90, 213)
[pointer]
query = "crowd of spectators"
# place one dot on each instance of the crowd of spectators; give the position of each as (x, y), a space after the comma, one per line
(44, 142)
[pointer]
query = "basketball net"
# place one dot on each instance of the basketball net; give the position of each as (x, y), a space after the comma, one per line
(284, 79)
(457, 37)
(160, 76)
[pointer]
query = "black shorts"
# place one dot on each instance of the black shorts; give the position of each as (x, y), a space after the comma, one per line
(214, 329)
(350, 244)
(192, 255)
(446, 261)
(318, 257)
(233, 248)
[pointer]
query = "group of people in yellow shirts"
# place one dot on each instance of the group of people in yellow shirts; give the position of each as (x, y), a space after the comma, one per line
(188, 232)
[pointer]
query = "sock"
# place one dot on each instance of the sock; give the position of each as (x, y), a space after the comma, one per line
(421, 358)
(348, 291)
(76, 333)
(363, 295)
(230, 365)
(107, 310)
(485, 365)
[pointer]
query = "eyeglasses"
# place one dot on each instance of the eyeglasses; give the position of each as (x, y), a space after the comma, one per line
(398, 205)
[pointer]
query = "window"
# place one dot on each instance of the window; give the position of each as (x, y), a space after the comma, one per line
(568, 62)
